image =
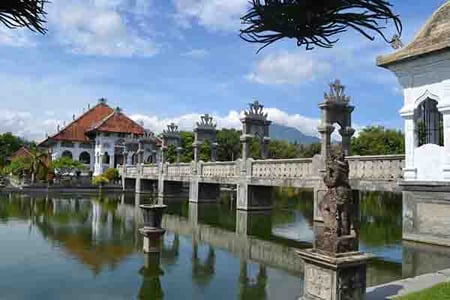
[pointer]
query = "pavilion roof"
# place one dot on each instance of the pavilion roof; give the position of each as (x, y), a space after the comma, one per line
(117, 122)
(100, 118)
(434, 36)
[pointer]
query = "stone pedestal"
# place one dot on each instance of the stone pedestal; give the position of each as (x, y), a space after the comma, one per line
(152, 239)
(152, 230)
(334, 277)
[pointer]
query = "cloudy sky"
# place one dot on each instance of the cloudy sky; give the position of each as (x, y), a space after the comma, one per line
(172, 60)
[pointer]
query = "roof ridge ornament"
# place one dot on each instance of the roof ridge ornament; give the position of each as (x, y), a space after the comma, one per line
(337, 93)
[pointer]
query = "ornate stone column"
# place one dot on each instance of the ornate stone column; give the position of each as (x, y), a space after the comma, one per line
(245, 141)
(325, 131)
(265, 147)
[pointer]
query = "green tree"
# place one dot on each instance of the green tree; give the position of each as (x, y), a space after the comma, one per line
(377, 140)
(66, 166)
(9, 144)
(229, 147)
(112, 174)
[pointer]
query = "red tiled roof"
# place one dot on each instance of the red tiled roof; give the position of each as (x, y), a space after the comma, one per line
(117, 122)
(100, 118)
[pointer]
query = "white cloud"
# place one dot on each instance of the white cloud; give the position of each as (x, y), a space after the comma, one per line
(288, 68)
(306, 125)
(15, 37)
(212, 14)
(26, 125)
(196, 53)
(98, 27)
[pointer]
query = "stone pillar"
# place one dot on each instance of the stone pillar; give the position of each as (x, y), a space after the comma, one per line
(196, 146)
(129, 158)
(179, 150)
(251, 197)
(265, 148)
(445, 110)
(325, 141)
(214, 151)
(245, 141)
(346, 134)
(410, 171)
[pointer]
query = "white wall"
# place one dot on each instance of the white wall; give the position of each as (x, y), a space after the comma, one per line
(422, 78)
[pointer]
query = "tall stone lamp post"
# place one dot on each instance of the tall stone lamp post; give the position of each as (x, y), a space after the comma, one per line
(334, 269)
(152, 230)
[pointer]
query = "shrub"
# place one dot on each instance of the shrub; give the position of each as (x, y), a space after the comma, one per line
(111, 174)
(100, 180)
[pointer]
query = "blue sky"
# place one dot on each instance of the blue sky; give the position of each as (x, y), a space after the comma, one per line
(172, 60)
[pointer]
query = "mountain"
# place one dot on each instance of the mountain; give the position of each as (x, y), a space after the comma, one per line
(290, 134)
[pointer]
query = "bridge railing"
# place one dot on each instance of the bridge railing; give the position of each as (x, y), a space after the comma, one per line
(131, 171)
(282, 168)
(181, 169)
(150, 170)
(385, 167)
(219, 169)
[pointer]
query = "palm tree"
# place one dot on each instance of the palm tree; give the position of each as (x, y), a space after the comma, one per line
(316, 22)
(23, 13)
(38, 163)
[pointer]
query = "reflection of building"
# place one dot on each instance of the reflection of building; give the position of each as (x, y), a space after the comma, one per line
(423, 70)
(96, 138)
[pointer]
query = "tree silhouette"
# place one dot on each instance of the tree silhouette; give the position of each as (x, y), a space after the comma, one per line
(23, 13)
(316, 22)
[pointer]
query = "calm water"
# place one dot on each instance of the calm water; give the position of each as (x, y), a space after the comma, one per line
(86, 247)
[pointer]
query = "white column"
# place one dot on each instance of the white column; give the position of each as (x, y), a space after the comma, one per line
(410, 171)
(445, 110)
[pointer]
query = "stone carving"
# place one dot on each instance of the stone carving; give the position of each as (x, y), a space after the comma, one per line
(256, 110)
(396, 42)
(336, 94)
(340, 229)
(319, 281)
(206, 121)
(171, 128)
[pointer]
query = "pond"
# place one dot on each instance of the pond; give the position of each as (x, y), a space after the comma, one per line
(88, 247)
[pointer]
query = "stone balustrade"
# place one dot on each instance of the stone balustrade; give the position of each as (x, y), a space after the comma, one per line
(150, 170)
(380, 167)
(301, 172)
(181, 169)
(281, 168)
(219, 169)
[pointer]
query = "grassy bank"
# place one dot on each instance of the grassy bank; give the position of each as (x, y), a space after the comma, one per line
(437, 292)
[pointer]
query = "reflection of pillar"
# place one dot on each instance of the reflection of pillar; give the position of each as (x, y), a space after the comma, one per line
(346, 134)
(151, 271)
(196, 146)
(214, 151)
(251, 288)
(203, 272)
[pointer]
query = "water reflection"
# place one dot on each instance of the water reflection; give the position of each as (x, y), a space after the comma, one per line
(151, 282)
(208, 247)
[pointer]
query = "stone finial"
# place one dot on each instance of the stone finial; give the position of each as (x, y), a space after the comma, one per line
(256, 110)
(206, 121)
(73, 117)
(102, 101)
(118, 110)
(171, 128)
(89, 106)
(337, 93)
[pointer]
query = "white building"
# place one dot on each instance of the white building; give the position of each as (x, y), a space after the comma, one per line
(423, 70)
(97, 139)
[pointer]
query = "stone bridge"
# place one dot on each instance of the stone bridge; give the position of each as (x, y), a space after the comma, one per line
(254, 179)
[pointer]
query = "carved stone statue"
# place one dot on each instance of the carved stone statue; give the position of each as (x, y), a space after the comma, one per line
(340, 229)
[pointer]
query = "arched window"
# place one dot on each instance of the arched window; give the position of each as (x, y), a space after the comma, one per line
(67, 154)
(85, 158)
(429, 124)
(106, 158)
